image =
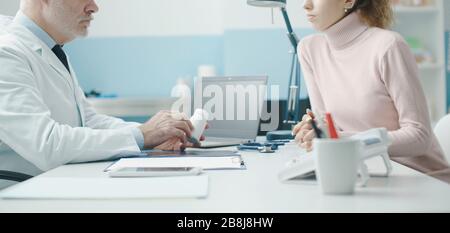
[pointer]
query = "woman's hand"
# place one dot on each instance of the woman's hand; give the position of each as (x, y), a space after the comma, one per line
(304, 133)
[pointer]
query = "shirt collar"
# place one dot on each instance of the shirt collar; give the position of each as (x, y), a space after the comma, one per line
(25, 21)
(344, 32)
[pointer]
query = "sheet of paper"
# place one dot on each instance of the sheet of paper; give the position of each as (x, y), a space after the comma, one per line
(230, 162)
(109, 188)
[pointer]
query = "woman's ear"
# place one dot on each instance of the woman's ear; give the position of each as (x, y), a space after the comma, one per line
(349, 4)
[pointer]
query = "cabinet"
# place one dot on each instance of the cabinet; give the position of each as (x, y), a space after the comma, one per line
(421, 23)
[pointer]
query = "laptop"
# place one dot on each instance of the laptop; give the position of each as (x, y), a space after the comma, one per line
(234, 104)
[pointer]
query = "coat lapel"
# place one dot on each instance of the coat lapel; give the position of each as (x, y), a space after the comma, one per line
(79, 95)
(32, 42)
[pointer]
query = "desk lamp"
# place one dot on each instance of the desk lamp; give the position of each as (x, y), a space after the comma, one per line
(292, 113)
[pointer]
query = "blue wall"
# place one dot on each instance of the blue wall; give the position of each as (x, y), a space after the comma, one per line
(142, 66)
(150, 66)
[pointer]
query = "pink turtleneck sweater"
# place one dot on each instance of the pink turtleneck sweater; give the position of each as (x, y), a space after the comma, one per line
(367, 78)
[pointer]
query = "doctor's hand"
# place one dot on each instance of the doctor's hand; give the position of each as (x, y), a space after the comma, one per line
(304, 133)
(174, 144)
(166, 127)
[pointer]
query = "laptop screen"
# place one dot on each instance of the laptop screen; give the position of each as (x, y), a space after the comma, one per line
(234, 104)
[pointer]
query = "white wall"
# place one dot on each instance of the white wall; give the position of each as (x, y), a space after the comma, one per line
(182, 17)
(179, 17)
(239, 15)
(158, 17)
(447, 14)
(9, 7)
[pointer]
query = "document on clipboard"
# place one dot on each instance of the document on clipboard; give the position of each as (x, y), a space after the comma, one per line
(191, 153)
(206, 163)
(185, 153)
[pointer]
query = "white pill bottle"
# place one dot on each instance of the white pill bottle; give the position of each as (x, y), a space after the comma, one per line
(199, 121)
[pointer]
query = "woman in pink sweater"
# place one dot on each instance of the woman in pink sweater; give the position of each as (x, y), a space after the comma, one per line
(367, 77)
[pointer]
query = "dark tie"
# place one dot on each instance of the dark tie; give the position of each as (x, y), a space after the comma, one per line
(61, 56)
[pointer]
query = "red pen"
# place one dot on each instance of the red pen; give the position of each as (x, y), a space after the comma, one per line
(331, 127)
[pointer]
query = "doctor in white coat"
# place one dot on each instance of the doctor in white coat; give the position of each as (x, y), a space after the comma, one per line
(45, 120)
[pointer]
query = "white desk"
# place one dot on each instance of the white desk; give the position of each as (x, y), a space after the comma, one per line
(258, 189)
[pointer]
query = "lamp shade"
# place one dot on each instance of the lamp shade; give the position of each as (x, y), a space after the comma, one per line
(267, 3)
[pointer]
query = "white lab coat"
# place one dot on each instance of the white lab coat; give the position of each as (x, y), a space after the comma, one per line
(39, 118)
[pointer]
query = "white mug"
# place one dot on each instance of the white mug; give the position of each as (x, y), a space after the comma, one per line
(337, 162)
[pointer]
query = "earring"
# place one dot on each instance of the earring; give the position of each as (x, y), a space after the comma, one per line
(347, 9)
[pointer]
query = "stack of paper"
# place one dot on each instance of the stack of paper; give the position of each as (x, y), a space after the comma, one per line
(107, 188)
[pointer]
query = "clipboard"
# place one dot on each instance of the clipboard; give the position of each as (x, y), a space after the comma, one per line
(234, 162)
(190, 153)
(185, 153)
